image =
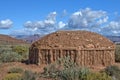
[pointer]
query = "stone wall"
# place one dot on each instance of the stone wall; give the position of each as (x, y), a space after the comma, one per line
(84, 57)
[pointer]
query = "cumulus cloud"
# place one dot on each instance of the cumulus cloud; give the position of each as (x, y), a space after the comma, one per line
(6, 24)
(25, 31)
(61, 24)
(45, 26)
(33, 25)
(102, 21)
(87, 18)
(84, 19)
(49, 22)
(52, 16)
(112, 28)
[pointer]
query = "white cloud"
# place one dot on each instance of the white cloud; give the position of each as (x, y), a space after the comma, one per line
(87, 18)
(45, 26)
(49, 22)
(112, 28)
(52, 16)
(32, 25)
(61, 24)
(84, 19)
(24, 31)
(29, 24)
(79, 13)
(6, 24)
(102, 21)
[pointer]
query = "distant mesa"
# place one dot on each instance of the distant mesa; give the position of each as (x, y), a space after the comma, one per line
(115, 39)
(29, 38)
(5, 39)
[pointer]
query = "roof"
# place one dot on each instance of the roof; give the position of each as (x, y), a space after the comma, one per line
(75, 39)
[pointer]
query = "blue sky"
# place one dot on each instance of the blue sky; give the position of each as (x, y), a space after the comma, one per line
(18, 17)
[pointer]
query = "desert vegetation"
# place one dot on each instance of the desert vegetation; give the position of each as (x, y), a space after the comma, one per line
(20, 74)
(13, 53)
(63, 69)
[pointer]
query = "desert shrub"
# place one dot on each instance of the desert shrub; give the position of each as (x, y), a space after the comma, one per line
(73, 74)
(15, 70)
(29, 75)
(13, 53)
(12, 76)
(10, 57)
(97, 76)
(1, 50)
(4, 49)
(117, 53)
(113, 71)
(21, 50)
(51, 71)
(65, 69)
(71, 71)
(66, 62)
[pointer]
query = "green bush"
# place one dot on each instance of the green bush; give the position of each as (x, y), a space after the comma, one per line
(1, 50)
(51, 71)
(29, 75)
(19, 74)
(21, 50)
(13, 53)
(71, 71)
(15, 70)
(10, 57)
(113, 71)
(97, 76)
(12, 76)
(73, 74)
(4, 49)
(66, 62)
(65, 69)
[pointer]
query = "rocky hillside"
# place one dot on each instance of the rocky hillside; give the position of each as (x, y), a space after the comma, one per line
(28, 38)
(5, 39)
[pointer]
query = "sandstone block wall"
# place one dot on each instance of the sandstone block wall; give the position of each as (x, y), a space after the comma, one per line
(84, 57)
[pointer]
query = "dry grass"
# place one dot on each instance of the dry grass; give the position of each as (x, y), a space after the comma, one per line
(4, 68)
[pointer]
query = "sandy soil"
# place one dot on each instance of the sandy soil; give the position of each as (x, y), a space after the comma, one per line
(35, 68)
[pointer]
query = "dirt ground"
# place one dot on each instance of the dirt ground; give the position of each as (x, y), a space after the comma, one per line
(34, 68)
(6, 66)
